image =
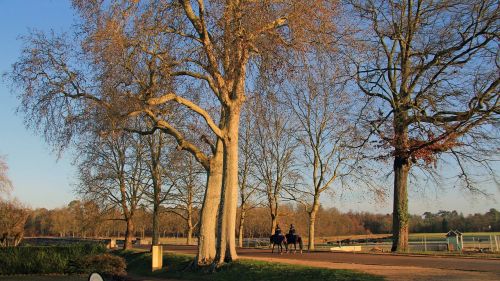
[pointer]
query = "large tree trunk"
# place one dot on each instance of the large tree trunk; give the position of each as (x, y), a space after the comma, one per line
(274, 222)
(273, 208)
(189, 238)
(241, 228)
(156, 217)
(129, 234)
(128, 214)
(226, 240)
(208, 216)
(156, 226)
(312, 222)
(156, 146)
(401, 167)
(400, 216)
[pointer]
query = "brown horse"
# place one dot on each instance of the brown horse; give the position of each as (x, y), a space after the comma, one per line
(279, 240)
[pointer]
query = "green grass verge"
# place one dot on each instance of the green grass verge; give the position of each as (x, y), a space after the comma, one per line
(139, 264)
(442, 235)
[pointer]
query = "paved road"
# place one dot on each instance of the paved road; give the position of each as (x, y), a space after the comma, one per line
(467, 268)
(468, 264)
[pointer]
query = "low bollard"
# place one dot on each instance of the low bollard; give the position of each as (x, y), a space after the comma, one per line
(157, 257)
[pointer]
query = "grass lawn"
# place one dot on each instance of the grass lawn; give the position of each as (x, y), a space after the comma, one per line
(139, 264)
(442, 235)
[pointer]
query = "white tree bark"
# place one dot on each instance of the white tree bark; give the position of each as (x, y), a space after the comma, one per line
(226, 240)
(211, 201)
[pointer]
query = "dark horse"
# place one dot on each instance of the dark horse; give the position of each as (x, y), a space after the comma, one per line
(294, 239)
(279, 240)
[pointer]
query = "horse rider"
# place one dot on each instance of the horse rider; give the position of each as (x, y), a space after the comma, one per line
(293, 233)
(277, 231)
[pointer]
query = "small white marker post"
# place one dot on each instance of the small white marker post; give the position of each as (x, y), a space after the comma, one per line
(496, 243)
(425, 243)
(156, 257)
(112, 243)
(95, 277)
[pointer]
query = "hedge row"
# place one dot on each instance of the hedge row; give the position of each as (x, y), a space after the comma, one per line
(46, 259)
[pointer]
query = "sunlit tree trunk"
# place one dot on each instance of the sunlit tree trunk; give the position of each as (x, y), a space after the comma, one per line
(208, 216)
(156, 207)
(274, 220)
(241, 226)
(128, 215)
(312, 222)
(190, 227)
(189, 217)
(226, 240)
(156, 220)
(129, 234)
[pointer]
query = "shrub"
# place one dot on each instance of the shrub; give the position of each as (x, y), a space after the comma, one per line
(106, 264)
(44, 260)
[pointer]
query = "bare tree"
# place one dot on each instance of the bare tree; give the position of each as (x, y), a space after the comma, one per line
(157, 158)
(325, 130)
(112, 173)
(247, 180)
(431, 68)
(186, 174)
(12, 220)
(13, 215)
(275, 145)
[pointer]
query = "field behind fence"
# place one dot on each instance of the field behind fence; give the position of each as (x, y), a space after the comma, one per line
(419, 242)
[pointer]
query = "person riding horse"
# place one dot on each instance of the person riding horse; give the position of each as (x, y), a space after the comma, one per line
(292, 234)
(293, 238)
(283, 240)
(277, 231)
(278, 239)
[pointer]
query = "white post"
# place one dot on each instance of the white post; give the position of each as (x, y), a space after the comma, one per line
(112, 243)
(491, 244)
(157, 257)
(425, 243)
(496, 243)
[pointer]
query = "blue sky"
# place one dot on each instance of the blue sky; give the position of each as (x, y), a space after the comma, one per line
(39, 179)
(42, 180)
